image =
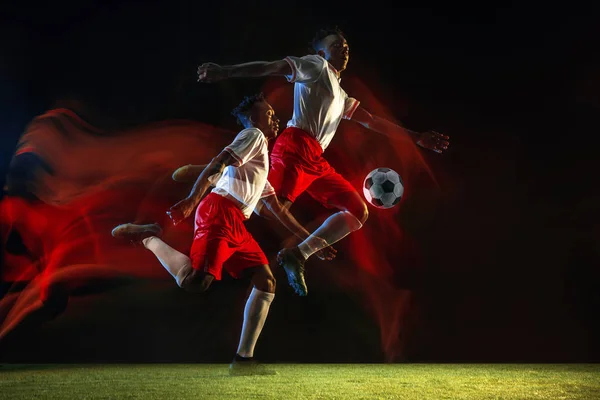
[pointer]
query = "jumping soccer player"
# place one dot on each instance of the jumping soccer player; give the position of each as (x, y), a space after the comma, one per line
(297, 162)
(221, 240)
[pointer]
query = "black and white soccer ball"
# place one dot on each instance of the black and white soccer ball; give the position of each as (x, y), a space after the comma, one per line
(383, 188)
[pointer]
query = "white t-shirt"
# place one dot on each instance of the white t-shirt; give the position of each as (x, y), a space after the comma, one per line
(320, 103)
(246, 180)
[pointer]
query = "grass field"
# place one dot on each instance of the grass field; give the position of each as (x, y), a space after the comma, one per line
(302, 381)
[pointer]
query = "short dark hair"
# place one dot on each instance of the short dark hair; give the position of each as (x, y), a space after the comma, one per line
(246, 105)
(322, 34)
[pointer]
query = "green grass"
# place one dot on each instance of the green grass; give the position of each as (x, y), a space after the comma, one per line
(302, 381)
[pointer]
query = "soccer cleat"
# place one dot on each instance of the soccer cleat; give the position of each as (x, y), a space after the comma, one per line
(248, 367)
(293, 264)
(188, 173)
(136, 233)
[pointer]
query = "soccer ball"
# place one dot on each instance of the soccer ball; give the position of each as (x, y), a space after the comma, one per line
(383, 188)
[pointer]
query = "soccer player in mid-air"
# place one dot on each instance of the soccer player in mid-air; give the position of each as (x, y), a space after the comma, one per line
(297, 162)
(221, 241)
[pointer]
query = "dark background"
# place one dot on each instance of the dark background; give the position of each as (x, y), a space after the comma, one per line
(512, 254)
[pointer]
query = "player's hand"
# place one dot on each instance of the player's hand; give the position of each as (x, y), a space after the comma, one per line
(326, 254)
(182, 210)
(211, 72)
(434, 141)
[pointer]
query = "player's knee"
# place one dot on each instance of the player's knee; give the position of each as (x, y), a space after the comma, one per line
(352, 203)
(364, 214)
(266, 285)
(359, 211)
(202, 286)
(194, 281)
(199, 285)
(265, 282)
(269, 284)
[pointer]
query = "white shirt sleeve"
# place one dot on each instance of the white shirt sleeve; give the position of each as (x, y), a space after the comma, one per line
(305, 69)
(350, 105)
(245, 146)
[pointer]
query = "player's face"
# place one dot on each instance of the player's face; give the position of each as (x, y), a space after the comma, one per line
(335, 50)
(266, 120)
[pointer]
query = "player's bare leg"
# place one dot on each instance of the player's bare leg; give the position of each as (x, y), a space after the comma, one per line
(351, 217)
(293, 263)
(255, 315)
(177, 264)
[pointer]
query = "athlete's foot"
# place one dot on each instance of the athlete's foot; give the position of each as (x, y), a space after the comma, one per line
(242, 366)
(188, 173)
(136, 233)
(293, 263)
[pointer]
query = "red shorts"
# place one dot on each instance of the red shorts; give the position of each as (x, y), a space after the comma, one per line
(297, 165)
(222, 241)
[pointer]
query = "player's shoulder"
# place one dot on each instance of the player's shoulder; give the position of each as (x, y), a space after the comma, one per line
(252, 131)
(251, 134)
(315, 58)
(310, 58)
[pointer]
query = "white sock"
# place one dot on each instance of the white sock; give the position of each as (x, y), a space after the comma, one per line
(255, 314)
(334, 229)
(178, 264)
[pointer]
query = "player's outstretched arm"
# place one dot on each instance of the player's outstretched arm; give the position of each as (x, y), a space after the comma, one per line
(272, 208)
(185, 207)
(275, 209)
(430, 140)
(211, 72)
